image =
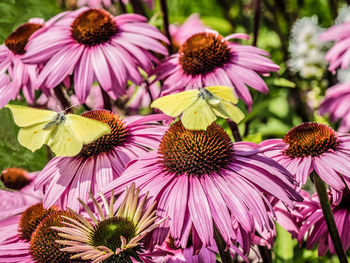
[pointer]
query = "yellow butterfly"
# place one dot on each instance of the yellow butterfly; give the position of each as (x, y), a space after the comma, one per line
(199, 108)
(65, 134)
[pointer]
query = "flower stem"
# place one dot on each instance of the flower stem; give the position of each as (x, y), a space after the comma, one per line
(234, 129)
(328, 215)
(138, 7)
(62, 98)
(122, 7)
(165, 15)
(222, 247)
(257, 15)
(265, 254)
(106, 100)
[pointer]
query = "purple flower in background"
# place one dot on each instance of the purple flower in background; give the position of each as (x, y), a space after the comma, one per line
(94, 45)
(336, 101)
(16, 232)
(66, 178)
(20, 192)
(314, 147)
(314, 229)
(179, 34)
(140, 96)
(209, 59)
(200, 178)
(339, 54)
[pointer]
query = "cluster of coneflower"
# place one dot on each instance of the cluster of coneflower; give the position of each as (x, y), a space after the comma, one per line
(152, 190)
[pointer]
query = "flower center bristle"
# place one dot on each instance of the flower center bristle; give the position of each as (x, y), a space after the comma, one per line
(15, 178)
(43, 246)
(204, 52)
(93, 27)
(30, 219)
(106, 142)
(108, 232)
(195, 152)
(310, 139)
(18, 39)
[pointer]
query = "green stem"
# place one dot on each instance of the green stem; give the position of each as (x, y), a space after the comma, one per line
(58, 91)
(222, 247)
(165, 15)
(234, 129)
(106, 100)
(328, 216)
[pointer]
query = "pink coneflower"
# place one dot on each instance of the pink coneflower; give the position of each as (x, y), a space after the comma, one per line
(94, 45)
(6, 90)
(209, 59)
(23, 76)
(314, 147)
(16, 232)
(336, 103)
(108, 3)
(67, 178)
(339, 54)
(20, 192)
(179, 34)
(200, 178)
(314, 224)
(112, 234)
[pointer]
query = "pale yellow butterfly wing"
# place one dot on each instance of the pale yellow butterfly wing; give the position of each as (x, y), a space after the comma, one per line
(64, 141)
(26, 116)
(33, 137)
(86, 129)
(66, 138)
(228, 110)
(175, 104)
(198, 116)
(223, 92)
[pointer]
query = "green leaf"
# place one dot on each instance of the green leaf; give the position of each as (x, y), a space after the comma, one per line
(282, 82)
(256, 138)
(12, 154)
(284, 246)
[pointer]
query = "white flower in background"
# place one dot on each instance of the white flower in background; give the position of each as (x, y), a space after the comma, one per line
(343, 16)
(307, 51)
(343, 75)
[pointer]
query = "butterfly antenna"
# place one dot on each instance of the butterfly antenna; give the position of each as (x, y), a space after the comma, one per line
(72, 106)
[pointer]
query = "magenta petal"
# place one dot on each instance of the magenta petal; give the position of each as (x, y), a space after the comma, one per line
(200, 211)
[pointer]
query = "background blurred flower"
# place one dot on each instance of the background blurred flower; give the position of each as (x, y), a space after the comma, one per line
(180, 33)
(339, 54)
(20, 192)
(307, 51)
(336, 101)
(314, 229)
(141, 96)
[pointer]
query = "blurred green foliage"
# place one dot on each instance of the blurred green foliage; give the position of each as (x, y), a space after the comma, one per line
(16, 12)
(12, 154)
